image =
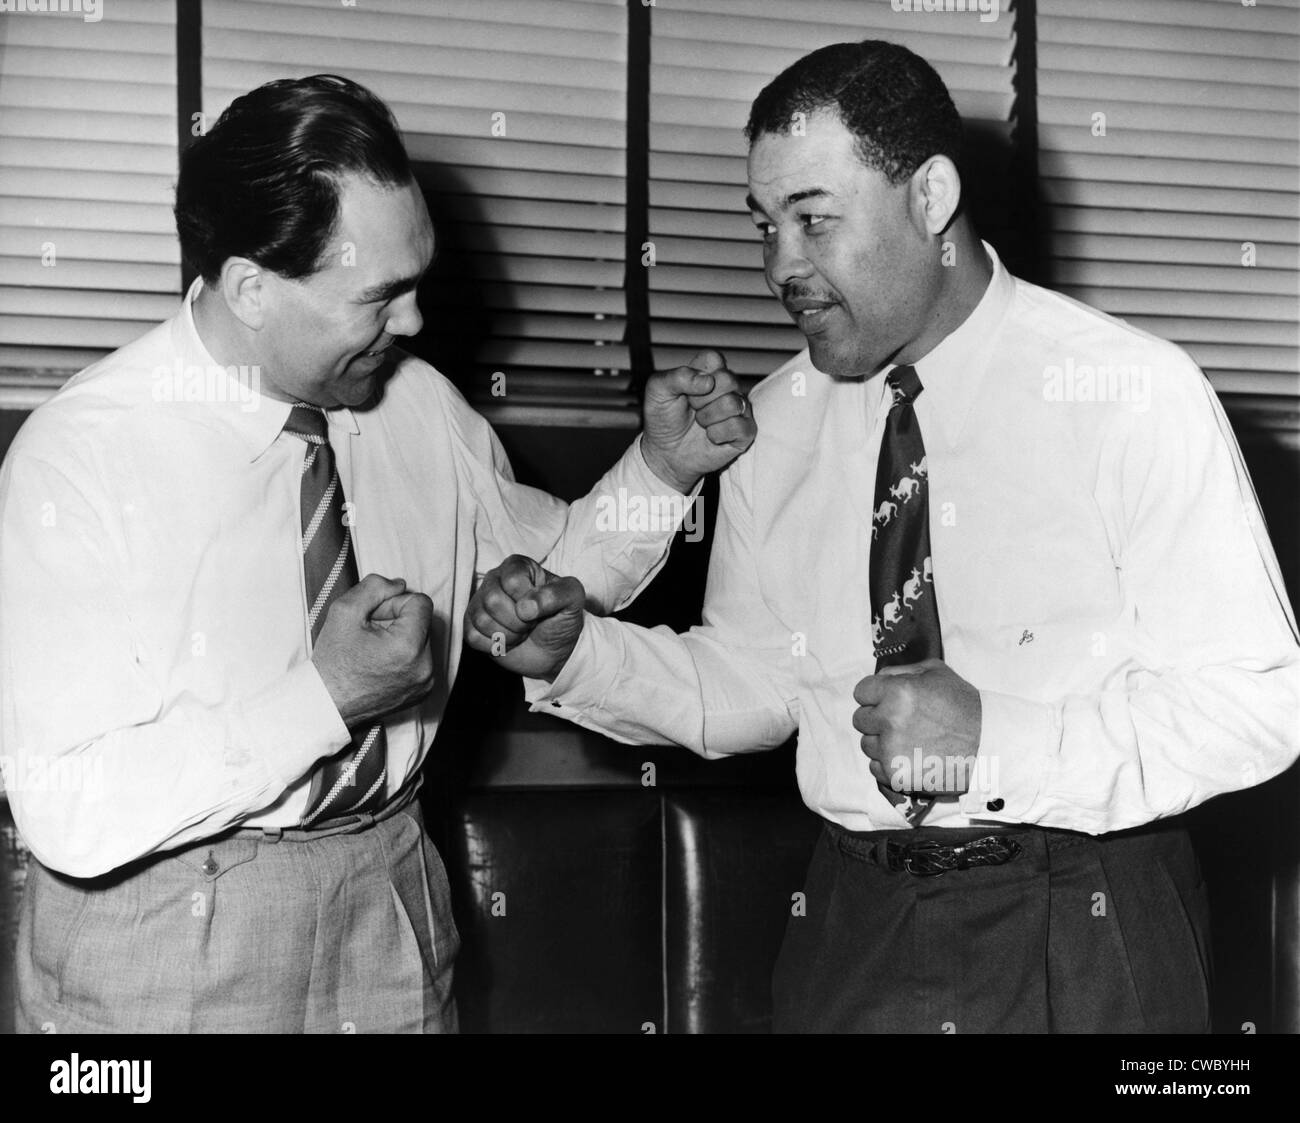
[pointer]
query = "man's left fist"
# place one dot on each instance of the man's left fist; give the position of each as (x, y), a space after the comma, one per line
(696, 421)
(922, 716)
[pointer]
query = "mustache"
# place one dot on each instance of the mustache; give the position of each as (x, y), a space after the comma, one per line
(798, 292)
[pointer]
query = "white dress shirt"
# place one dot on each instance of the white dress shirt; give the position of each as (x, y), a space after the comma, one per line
(1102, 574)
(155, 679)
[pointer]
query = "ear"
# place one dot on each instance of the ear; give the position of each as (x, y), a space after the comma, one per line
(935, 194)
(243, 288)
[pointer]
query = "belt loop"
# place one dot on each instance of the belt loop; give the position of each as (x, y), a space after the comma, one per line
(272, 834)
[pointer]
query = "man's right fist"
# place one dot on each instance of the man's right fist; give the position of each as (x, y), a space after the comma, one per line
(373, 651)
(525, 617)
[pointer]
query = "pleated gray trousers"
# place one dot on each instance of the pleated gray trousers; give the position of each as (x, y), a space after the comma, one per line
(345, 929)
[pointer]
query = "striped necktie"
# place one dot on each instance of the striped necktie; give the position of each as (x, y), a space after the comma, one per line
(352, 781)
(905, 618)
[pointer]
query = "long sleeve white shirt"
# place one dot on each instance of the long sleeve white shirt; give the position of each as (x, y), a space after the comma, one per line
(1102, 574)
(156, 685)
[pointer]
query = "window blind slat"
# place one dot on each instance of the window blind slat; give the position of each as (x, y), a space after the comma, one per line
(90, 247)
(1169, 197)
(85, 66)
(763, 23)
(727, 310)
(430, 92)
(1180, 278)
(1246, 154)
(1110, 220)
(68, 216)
(1160, 14)
(1101, 61)
(101, 277)
(77, 158)
(1059, 22)
(1222, 119)
(1179, 251)
(1190, 172)
(367, 29)
(1212, 329)
(105, 187)
(1124, 302)
(514, 295)
(578, 15)
(1145, 89)
(541, 213)
(519, 182)
(88, 136)
(283, 54)
(101, 334)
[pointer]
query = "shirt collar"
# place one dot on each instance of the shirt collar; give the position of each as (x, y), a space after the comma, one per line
(255, 418)
(954, 369)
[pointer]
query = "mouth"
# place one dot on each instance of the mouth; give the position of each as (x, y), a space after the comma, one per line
(810, 316)
(375, 353)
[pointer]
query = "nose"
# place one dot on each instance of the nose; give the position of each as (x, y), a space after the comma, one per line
(785, 260)
(404, 316)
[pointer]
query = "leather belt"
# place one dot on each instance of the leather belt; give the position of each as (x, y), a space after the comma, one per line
(932, 858)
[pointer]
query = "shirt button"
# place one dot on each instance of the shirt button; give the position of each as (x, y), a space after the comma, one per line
(210, 866)
(995, 804)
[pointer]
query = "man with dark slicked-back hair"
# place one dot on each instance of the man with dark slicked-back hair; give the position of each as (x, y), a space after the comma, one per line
(995, 558)
(234, 560)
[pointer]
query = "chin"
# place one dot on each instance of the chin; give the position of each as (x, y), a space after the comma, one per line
(369, 390)
(836, 364)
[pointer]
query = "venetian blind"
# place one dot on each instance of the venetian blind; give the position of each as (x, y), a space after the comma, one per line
(709, 59)
(1169, 137)
(515, 114)
(88, 254)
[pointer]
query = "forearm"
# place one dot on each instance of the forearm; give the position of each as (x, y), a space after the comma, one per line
(155, 781)
(617, 536)
(1110, 761)
(652, 686)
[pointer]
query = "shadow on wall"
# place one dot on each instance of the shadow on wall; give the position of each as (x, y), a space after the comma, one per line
(459, 310)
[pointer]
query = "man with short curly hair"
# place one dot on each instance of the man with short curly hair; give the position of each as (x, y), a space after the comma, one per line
(995, 558)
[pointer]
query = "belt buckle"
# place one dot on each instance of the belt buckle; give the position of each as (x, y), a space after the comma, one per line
(937, 858)
(930, 859)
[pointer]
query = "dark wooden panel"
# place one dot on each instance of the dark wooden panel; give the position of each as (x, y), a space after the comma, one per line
(575, 943)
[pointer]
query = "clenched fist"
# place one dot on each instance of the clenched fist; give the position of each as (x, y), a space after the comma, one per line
(525, 617)
(923, 714)
(373, 650)
(696, 421)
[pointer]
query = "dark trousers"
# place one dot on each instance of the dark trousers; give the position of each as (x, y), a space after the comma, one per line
(1077, 934)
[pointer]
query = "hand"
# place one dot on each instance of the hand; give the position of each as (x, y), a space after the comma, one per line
(525, 617)
(373, 651)
(696, 421)
(920, 726)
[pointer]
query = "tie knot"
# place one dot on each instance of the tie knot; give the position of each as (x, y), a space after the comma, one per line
(307, 422)
(905, 384)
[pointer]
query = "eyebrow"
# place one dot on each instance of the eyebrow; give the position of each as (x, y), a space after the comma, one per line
(389, 289)
(386, 290)
(792, 198)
